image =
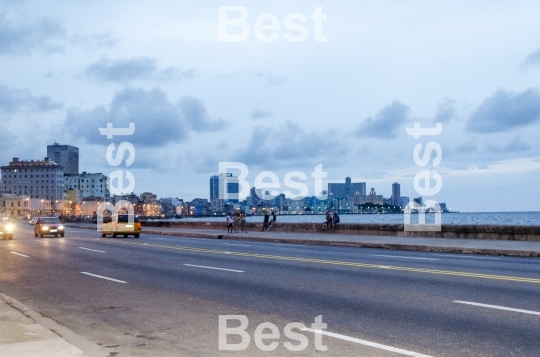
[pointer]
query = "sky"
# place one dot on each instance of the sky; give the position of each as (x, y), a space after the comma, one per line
(201, 90)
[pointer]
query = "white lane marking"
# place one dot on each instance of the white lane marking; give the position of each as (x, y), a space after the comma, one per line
(92, 250)
(366, 343)
(201, 266)
(22, 255)
(497, 307)
(240, 245)
(104, 277)
(457, 255)
(397, 256)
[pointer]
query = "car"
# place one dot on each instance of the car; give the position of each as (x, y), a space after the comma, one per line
(48, 226)
(6, 230)
(33, 220)
(121, 225)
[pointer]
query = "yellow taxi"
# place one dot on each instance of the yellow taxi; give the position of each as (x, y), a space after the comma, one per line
(121, 225)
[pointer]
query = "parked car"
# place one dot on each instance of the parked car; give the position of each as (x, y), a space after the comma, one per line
(48, 226)
(6, 229)
(121, 225)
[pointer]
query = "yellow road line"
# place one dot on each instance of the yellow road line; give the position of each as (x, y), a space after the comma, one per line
(341, 263)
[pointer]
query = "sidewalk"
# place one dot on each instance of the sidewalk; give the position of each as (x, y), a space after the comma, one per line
(448, 245)
(22, 334)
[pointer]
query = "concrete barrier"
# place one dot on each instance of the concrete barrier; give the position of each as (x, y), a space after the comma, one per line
(495, 232)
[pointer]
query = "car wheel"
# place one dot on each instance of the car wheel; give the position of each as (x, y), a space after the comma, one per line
(113, 235)
(136, 235)
(62, 235)
(125, 235)
(35, 234)
(103, 235)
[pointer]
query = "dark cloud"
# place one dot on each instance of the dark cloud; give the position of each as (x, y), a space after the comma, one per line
(533, 59)
(445, 111)
(158, 122)
(505, 110)
(386, 124)
(261, 114)
(194, 112)
(290, 145)
(516, 145)
(14, 100)
(137, 68)
(17, 38)
(122, 70)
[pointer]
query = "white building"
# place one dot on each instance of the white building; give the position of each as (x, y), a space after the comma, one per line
(87, 185)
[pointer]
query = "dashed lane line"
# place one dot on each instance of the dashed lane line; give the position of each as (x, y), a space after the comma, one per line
(21, 255)
(365, 343)
(104, 277)
(498, 307)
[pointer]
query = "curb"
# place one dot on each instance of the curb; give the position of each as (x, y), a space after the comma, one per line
(70, 340)
(406, 247)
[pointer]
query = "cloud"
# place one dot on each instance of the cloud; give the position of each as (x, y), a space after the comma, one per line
(446, 110)
(14, 100)
(386, 123)
(261, 114)
(533, 59)
(506, 110)
(196, 116)
(271, 80)
(158, 122)
(290, 145)
(104, 39)
(516, 145)
(137, 68)
(469, 147)
(17, 38)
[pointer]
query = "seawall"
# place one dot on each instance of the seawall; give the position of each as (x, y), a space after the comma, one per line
(495, 232)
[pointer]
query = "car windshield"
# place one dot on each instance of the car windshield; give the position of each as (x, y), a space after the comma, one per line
(124, 218)
(50, 221)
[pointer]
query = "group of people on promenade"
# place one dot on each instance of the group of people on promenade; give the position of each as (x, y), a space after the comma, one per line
(238, 219)
(330, 221)
(235, 221)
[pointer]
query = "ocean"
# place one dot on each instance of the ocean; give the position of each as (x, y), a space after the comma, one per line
(495, 218)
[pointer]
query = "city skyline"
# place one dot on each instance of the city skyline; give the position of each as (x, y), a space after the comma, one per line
(343, 97)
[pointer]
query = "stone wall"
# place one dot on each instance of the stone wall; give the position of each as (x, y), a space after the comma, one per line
(495, 232)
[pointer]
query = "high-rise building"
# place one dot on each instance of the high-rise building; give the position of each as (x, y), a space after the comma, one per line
(343, 190)
(66, 156)
(228, 184)
(396, 194)
(36, 179)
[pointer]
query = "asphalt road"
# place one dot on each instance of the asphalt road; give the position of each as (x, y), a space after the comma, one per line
(167, 293)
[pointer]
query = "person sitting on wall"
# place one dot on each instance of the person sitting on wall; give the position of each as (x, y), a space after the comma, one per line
(335, 220)
(327, 222)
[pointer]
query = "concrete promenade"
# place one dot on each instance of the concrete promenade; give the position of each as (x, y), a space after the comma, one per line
(450, 245)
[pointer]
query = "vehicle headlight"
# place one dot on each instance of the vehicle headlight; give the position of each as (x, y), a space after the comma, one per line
(9, 228)
(45, 228)
(60, 228)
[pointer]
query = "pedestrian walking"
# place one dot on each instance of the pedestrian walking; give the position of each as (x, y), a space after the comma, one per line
(243, 221)
(230, 223)
(265, 222)
(236, 220)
